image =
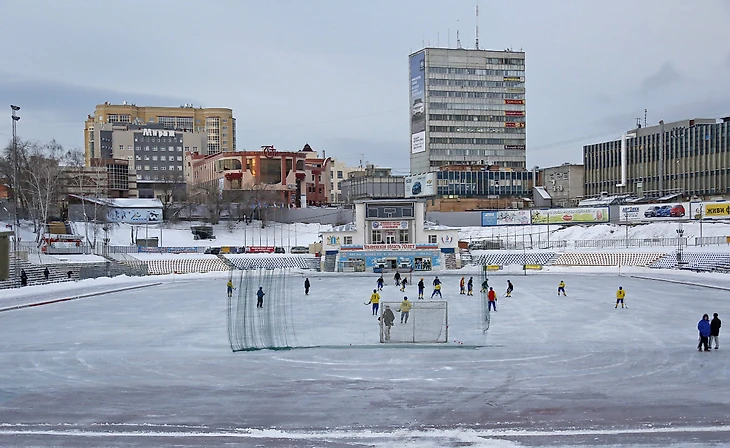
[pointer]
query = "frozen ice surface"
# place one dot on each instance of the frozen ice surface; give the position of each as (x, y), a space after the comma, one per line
(152, 367)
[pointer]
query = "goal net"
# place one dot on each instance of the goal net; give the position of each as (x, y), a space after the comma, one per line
(428, 322)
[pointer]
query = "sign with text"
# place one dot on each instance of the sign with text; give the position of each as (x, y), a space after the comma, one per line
(260, 249)
(710, 210)
(505, 218)
(389, 247)
(135, 215)
(584, 215)
(420, 185)
(654, 212)
(389, 225)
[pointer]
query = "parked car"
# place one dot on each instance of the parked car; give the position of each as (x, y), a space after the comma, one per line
(677, 211)
(418, 107)
(213, 250)
(651, 212)
(299, 250)
(664, 211)
(279, 250)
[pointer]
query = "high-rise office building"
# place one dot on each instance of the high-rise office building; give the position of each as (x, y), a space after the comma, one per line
(467, 107)
(217, 123)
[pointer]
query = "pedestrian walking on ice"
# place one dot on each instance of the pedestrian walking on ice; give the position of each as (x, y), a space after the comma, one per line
(260, 295)
(715, 325)
(306, 286)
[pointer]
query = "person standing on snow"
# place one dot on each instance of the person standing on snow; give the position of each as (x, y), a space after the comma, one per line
(421, 288)
(620, 295)
(510, 288)
(704, 328)
(388, 319)
(381, 283)
(715, 325)
(492, 296)
(561, 287)
(404, 310)
(436, 287)
(375, 300)
(306, 286)
(462, 286)
(470, 287)
(260, 296)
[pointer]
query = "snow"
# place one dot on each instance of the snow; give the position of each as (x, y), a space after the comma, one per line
(153, 366)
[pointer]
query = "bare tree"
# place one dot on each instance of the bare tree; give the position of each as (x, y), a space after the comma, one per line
(88, 183)
(210, 195)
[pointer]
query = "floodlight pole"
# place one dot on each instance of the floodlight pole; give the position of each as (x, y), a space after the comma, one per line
(16, 189)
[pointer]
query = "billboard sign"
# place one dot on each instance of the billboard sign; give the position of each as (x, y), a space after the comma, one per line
(506, 218)
(417, 65)
(583, 215)
(134, 215)
(710, 210)
(418, 142)
(421, 185)
(654, 212)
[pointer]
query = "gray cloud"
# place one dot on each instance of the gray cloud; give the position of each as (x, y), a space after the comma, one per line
(667, 75)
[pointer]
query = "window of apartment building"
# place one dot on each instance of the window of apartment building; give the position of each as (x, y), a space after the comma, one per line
(339, 185)
(404, 236)
(154, 167)
(187, 148)
(195, 149)
(347, 240)
(146, 167)
(163, 168)
(171, 148)
(433, 239)
(139, 167)
(129, 147)
(339, 174)
(137, 148)
(179, 158)
(154, 148)
(179, 149)
(163, 158)
(146, 157)
(146, 148)
(121, 147)
(179, 168)
(172, 167)
(154, 158)
(332, 185)
(138, 157)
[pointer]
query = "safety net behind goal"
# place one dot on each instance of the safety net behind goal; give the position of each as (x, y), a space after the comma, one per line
(426, 322)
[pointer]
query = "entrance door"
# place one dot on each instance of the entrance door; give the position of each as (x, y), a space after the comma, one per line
(390, 238)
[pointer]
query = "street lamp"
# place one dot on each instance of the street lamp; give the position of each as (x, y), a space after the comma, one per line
(680, 236)
(16, 188)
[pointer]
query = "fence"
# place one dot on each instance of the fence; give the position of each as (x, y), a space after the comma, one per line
(633, 242)
(509, 244)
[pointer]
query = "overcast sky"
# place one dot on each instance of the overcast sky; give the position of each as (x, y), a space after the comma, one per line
(334, 73)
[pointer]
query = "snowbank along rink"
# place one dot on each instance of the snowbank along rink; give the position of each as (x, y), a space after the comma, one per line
(153, 367)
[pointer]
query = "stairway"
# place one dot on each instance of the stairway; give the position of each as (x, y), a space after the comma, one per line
(225, 260)
(466, 257)
(450, 261)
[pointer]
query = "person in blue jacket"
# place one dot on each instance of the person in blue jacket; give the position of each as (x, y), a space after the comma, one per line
(260, 296)
(704, 327)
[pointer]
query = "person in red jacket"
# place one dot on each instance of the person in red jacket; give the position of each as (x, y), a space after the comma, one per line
(492, 296)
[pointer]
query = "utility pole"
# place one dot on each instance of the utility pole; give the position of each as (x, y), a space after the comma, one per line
(661, 158)
(15, 117)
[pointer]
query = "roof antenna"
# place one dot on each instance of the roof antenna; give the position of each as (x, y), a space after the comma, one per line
(458, 41)
(477, 11)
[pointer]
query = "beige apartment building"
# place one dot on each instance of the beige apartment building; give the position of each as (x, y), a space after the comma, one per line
(216, 123)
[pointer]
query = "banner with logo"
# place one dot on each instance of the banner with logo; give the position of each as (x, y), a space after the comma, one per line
(420, 185)
(654, 212)
(584, 215)
(506, 218)
(389, 225)
(710, 210)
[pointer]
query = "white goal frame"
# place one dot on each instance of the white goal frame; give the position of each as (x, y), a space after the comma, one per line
(409, 333)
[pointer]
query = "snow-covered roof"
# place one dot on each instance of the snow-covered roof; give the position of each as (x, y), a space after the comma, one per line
(428, 225)
(349, 227)
(602, 200)
(543, 193)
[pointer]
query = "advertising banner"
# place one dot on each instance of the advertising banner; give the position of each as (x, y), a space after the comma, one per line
(514, 101)
(389, 246)
(506, 218)
(710, 210)
(260, 249)
(654, 212)
(417, 65)
(389, 225)
(418, 142)
(584, 215)
(135, 215)
(421, 185)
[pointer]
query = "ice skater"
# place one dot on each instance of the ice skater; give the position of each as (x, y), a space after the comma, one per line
(485, 285)
(230, 288)
(510, 288)
(306, 286)
(620, 295)
(381, 283)
(561, 287)
(260, 295)
(388, 319)
(403, 284)
(436, 287)
(375, 301)
(404, 310)
(715, 325)
(704, 328)
(421, 288)
(492, 300)
(470, 287)
(396, 277)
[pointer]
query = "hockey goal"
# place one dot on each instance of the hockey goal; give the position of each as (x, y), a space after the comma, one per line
(428, 322)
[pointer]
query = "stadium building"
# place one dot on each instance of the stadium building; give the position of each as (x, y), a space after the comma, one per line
(390, 234)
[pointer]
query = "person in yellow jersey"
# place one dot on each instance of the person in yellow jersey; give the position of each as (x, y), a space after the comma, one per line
(405, 310)
(620, 295)
(230, 288)
(561, 287)
(375, 300)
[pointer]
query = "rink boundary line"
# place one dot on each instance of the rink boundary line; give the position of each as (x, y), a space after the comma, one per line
(447, 346)
(80, 296)
(681, 282)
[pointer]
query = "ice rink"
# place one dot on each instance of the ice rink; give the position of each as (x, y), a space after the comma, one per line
(152, 367)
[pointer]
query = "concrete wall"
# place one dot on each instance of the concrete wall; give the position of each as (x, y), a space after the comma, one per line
(455, 219)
